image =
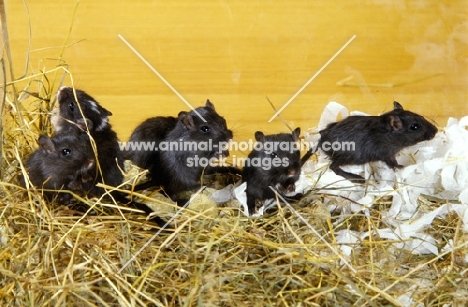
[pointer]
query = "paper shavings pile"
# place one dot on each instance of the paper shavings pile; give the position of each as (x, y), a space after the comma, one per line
(437, 168)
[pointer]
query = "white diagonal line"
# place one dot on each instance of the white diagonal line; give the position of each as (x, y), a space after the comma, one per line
(312, 79)
(313, 230)
(159, 231)
(160, 76)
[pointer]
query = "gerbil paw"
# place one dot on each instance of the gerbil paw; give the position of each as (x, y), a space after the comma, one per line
(291, 188)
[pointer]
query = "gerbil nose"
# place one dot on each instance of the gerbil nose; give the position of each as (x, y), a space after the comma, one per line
(430, 133)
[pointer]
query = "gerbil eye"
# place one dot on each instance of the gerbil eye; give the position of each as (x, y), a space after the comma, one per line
(71, 106)
(274, 155)
(66, 152)
(415, 127)
(205, 129)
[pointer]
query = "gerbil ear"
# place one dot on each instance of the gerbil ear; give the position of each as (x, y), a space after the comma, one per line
(209, 104)
(46, 143)
(296, 133)
(98, 108)
(82, 123)
(105, 111)
(394, 122)
(397, 106)
(187, 120)
(259, 136)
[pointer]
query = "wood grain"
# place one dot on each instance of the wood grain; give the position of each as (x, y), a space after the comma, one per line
(238, 52)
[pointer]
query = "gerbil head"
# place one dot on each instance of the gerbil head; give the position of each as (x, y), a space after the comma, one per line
(281, 150)
(75, 109)
(409, 128)
(67, 151)
(260, 137)
(208, 126)
(60, 159)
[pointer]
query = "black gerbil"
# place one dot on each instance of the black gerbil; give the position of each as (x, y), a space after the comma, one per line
(73, 113)
(61, 162)
(372, 138)
(180, 146)
(274, 162)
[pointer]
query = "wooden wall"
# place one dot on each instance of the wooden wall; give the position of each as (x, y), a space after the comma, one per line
(238, 52)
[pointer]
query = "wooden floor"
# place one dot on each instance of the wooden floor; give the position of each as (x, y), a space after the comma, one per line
(236, 53)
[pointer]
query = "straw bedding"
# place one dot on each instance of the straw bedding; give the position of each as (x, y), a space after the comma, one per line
(312, 255)
(53, 255)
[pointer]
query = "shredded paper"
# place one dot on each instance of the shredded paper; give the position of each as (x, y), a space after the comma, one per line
(437, 168)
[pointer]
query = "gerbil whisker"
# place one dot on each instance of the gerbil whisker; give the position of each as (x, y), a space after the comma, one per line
(233, 126)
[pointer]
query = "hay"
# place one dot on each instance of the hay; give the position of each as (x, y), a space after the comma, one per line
(52, 255)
